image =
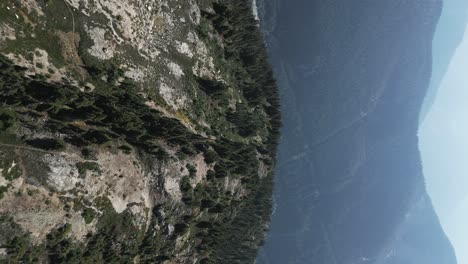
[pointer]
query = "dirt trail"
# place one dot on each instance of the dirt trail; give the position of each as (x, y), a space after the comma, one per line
(62, 153)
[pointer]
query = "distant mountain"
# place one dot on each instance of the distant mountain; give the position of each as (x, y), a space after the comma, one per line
(419, 238)
(349, 186)
(448, 37)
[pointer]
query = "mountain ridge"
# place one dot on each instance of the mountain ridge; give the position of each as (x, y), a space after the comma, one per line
(449, 35)
(352, 78)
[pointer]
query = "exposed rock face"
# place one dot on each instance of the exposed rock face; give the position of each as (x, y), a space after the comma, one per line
(350, 188)
(134, 131)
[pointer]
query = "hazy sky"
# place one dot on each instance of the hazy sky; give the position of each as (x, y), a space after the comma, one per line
(444, 150)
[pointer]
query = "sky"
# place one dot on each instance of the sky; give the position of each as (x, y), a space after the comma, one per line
(444, 150)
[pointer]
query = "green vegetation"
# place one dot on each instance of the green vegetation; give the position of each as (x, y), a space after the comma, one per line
(125, 149)
(46, 143)
(116, 241)
(239, 229)
(116, 113)
(10, 169)
(88, 215)
(219, 224)
(3, 189)
(83, 167)
(7, 120)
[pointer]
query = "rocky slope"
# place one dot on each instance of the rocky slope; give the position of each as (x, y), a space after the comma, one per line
(134, 131)
(350, 188)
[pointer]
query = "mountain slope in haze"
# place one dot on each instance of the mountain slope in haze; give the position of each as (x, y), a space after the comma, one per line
(419, 238)
(449, 34)
(349, 186)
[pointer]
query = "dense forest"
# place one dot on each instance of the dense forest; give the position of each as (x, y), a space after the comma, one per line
(215, 225)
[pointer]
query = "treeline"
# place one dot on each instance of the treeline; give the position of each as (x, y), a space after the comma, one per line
(233, 224)
(109, 114)
(237, 239)
(244, 44)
